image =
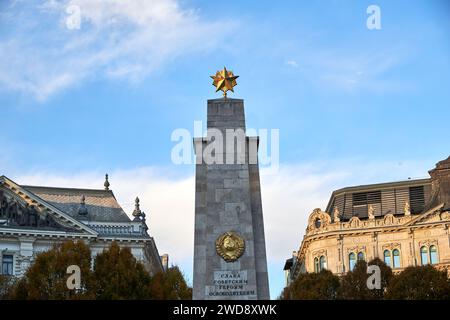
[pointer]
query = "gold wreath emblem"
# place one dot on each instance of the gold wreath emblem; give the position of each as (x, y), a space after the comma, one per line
(230, 246)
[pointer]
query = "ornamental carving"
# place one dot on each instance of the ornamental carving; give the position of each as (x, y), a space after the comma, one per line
(445, 215)
(407, 209)
(336, 214)
(319, 253)
(318, 219)
(391, 246)
(230, 246)
(389, 219)
(371, 212)
(15, 214)
(428, 243)
(357, 249)
(354, 222)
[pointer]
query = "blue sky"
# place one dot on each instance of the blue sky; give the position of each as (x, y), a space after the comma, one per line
(353, 105)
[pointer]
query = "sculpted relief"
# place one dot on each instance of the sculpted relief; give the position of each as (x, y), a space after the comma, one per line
(318, 220)
(354, 222)
(389, 219)
(13, 214)
(230, 246)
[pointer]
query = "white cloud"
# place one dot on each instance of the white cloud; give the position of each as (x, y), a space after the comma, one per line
(292, 63)
(288, 197)
(117, 39)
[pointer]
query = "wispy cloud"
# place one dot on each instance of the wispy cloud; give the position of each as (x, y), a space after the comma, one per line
(116, 39)
(292, 63)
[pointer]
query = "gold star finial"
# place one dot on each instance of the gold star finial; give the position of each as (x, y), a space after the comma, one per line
(224, 80)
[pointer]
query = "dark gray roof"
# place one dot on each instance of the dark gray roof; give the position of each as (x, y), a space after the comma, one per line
(101, 205)
(376, 186)
(385, 185)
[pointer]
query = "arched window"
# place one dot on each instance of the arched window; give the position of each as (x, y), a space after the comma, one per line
(316, 265)
(351, 260)
(360, 256)
(424, 255)
(433, 255)
(396, 254)
(387, 257)
(323, 263)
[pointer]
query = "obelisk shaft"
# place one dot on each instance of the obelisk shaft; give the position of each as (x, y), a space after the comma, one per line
(228, 199)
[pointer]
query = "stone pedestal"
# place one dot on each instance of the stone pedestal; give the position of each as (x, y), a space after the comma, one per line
(228, 202)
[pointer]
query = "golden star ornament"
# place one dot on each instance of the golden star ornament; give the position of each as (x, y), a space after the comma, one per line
(224, 80)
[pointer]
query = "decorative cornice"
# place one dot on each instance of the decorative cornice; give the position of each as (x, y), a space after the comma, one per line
(44, 233)
(380, 229)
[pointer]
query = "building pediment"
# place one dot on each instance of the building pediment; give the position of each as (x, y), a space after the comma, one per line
(430, 216)
(20, 209)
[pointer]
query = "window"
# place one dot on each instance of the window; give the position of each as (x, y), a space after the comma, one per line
(362, 200)
(433, 255)
(7, 264)
(424, 255)
(416, 199)
(318, 223)
(396, 260)
(360, 256)
(387, 257)
(323, 263)
(316, 265)
(351, 260)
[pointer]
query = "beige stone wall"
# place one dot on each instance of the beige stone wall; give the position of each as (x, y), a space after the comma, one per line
(335, 240)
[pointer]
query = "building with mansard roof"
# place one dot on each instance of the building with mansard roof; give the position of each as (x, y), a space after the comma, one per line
(404, 223)
(33, 219)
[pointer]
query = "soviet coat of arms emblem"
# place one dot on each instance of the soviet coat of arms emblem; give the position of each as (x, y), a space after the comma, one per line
(230, 246)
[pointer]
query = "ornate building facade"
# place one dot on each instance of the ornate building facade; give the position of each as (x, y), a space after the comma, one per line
(33, 219)
(403, 223)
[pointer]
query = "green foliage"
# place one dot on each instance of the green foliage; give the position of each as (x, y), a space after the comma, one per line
(116, 275)
(354, 283)
(47, 277)
(6, 286)
(119, 276)
(313, 286)
(413, 283)
(420, 283)
(170, 285)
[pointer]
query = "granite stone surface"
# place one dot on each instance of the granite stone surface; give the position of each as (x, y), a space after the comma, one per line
(228, 198)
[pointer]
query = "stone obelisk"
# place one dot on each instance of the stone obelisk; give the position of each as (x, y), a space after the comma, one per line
(229, 245)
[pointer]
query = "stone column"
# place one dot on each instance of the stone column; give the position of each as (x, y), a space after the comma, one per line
(412, 248)
(375, 246)
(25, 257)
